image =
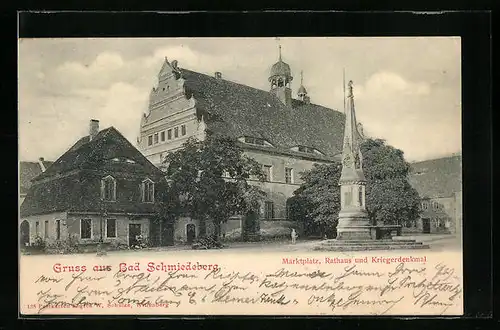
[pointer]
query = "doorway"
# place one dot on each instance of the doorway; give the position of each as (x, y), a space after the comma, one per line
(167, 236)
(426, 226)
(134, 230)
(25, 233)
(190, 233)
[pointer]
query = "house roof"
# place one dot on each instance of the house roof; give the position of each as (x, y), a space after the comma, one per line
(87, 154)
(28, 171)
(437, 177)
(238, 110)
(68, 185)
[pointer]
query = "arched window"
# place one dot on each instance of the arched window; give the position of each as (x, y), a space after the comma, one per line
(108, 188)
(148, 191)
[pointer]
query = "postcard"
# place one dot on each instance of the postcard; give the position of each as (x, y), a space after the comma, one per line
(240, 176)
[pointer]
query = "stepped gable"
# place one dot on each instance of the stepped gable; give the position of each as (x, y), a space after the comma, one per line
(238, 110)
(437, 177)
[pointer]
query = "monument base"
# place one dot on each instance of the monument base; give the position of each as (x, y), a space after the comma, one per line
(367, 245)
(354, 225)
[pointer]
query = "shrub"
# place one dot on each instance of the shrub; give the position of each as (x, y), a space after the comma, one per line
(39, 244)
(69, 245)
(206, 243)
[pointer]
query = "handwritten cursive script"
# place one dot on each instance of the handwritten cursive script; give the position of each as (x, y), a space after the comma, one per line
(339, 289)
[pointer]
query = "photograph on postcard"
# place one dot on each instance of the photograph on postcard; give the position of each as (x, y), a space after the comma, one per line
(240, 176)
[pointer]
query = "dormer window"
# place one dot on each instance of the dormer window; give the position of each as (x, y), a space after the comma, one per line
(148, 191)
(108, 188)
(255, 141)
(308, 150)
(252, 140)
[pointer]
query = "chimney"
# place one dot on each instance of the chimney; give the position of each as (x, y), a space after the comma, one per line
(218, 75)
(93, 128)
(40, 162)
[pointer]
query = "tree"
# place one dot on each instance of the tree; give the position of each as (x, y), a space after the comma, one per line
(390, 199)
(209, 180)
(316, 202)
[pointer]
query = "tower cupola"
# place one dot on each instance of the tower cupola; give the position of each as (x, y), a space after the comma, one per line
(302, 92)
(280, 78)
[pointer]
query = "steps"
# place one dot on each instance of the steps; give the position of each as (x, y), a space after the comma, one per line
(365, 245)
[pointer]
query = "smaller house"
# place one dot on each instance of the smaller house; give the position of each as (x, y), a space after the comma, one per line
(101, 190)
(439, 184)
(28, 171)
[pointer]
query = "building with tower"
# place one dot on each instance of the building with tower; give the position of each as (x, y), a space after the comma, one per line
(286, 134)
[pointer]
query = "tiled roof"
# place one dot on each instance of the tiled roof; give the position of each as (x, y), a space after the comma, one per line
(72, 183)
(89, 154)
(28, 171)
(238, 110)
(437, 177)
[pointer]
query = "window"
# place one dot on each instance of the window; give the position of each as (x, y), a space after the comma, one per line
(156, 138)
(150, 140)
(424, 205)
(169, 134)
(268, 210)
(183, 130)
(306, 149)
(108, 188)
(252, 140)
(46, 229)
(58, 229)
(288, 175)
(162, 136)
(176, 132)
(86, 228)
(37, 228)
(267, 172)
(111, 228)
(148, 191)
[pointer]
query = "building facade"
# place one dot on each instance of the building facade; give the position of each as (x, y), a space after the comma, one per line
(27, 172)
(101, 190)
(439, 184)
(286, 135)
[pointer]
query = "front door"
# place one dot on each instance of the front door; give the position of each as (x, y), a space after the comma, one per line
(190, 233)
(25, 233)
(167, 237)
(134, 230)
(426, 226)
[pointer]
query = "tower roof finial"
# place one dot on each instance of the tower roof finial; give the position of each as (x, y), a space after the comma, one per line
(349, 87)
(279, 50)
(302, 77)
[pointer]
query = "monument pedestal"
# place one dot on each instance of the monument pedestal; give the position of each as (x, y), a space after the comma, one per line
(354, 225)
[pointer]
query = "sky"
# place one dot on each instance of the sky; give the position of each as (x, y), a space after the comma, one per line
(407, 90)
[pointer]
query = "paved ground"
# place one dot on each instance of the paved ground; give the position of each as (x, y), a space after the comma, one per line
(436, 243)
